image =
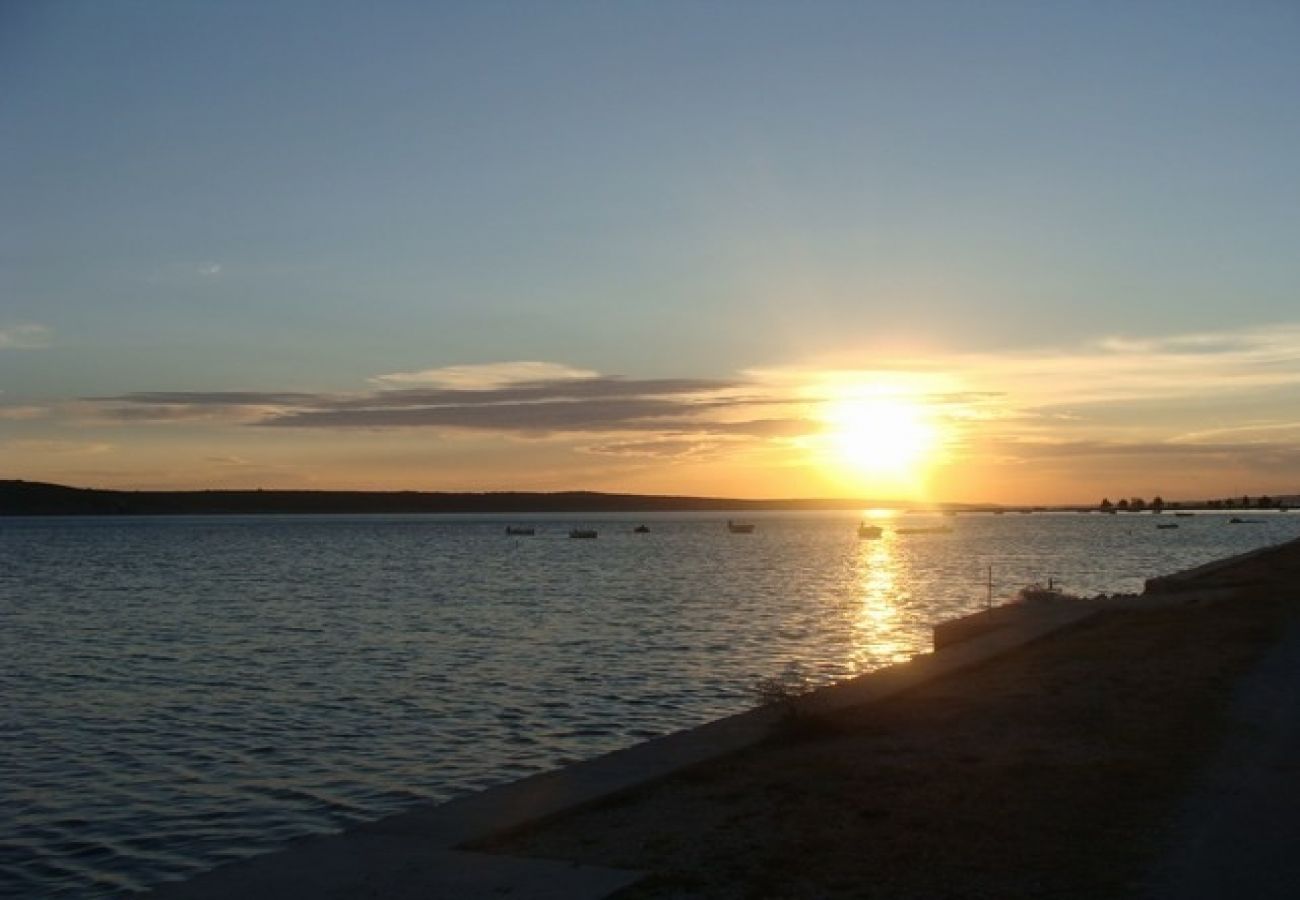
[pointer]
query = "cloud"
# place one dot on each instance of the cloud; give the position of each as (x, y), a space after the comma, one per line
(1215, 400)
(567, 405)
(182, 272)
(209, 398)
(486, 375)
(25, 336)
(570, 415)
(662, 449)
(22, 413)
(1263, 430)
(53, 447)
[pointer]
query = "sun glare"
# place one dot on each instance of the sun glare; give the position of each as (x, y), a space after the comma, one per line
(884, 438)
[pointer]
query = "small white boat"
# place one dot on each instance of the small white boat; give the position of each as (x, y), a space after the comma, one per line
(740, 527)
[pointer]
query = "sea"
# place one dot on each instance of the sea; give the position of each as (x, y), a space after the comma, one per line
(179, 692)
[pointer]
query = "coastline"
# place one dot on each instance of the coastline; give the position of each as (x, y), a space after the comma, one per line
(656, 818)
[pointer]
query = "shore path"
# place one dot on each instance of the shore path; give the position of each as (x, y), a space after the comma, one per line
(1146, 753)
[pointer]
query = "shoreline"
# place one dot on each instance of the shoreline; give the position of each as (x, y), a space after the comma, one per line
(419, 851)
(39, 499)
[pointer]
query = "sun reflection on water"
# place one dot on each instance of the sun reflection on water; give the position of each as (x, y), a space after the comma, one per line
(880, 635)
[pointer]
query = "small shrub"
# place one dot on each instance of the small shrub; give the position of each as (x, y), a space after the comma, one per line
(784, 691)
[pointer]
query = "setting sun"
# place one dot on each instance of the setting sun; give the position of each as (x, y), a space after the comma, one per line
(882, 437)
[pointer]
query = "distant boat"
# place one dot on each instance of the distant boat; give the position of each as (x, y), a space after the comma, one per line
(869, 531)
(1235, 521)
(641, 529)
(1184, 515)
(582, 533)
(740, 527)
(929, 529)
(519, 529)
(1166, 525)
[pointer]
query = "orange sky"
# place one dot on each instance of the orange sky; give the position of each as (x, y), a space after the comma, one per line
(1184, 416)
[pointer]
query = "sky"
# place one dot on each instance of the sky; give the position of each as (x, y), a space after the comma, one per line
(1012, 252)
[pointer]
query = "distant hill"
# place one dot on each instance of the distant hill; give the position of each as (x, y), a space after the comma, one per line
(33, 498)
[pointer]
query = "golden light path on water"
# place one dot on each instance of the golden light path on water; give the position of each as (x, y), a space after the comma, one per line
(878, 627)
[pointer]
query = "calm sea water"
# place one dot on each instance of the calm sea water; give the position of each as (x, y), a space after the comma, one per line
(179, 692)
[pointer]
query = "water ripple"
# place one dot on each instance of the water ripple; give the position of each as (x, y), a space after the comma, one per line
(181, 692)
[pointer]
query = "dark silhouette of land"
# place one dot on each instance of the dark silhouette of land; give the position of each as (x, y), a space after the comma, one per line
(32, 498)
(35, 498)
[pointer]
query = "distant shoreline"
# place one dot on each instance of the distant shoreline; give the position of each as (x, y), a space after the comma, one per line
(31, 498)
(35, 498)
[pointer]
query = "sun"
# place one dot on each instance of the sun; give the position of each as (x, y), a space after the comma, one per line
(883, 438)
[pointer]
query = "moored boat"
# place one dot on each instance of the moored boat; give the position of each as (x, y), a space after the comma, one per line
(740, 527)
(869, 531)
(587, 533)
(520, 529)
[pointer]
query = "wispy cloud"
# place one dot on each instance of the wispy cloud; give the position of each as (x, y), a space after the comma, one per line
(595, 404)
(183, 272)
(1225, 400)
(23, 413)
(486, 375)
(61, 448)
(25, 336)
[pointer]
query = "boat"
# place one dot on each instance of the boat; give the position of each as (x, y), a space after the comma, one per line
(582, 533)
(641, 529)
(1184, 515)
(1235, 521)
(519, 529)
(740, 527)
(869, 531)
(927, 529)
(1166, 525)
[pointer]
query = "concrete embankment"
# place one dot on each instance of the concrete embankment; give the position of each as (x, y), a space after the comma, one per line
(976, 763)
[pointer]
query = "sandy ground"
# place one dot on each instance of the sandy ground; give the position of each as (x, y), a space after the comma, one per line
(1061, 770)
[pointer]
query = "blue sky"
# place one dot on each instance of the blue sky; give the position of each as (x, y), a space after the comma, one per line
(306, 197)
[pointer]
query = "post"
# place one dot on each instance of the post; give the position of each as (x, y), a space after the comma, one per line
(988, 603)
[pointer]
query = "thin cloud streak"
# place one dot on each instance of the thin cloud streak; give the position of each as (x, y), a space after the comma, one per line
(25, 336)
(486, 375)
